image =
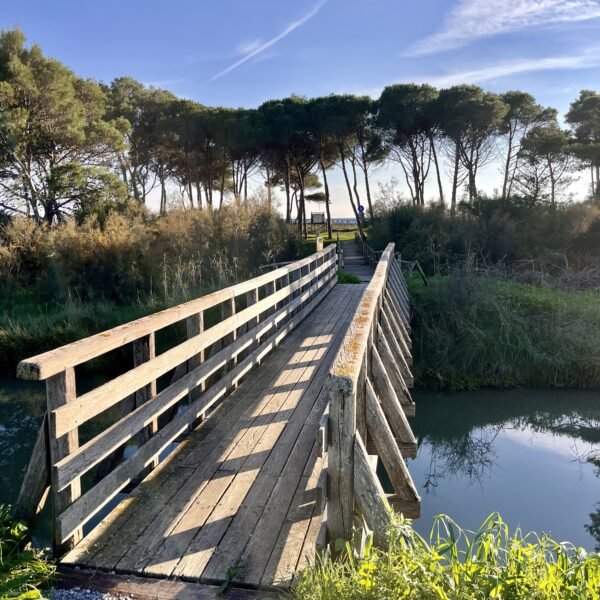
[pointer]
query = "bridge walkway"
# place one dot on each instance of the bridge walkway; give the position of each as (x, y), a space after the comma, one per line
(239, 499)
(355, 263)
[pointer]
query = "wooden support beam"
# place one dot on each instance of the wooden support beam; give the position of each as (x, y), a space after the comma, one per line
(60, 391)
(370, 496)
(35, 486)
(387, 450)
(392, 368)
(390, 402)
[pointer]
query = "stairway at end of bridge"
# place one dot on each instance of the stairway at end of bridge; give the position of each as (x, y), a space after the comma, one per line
(355, 263)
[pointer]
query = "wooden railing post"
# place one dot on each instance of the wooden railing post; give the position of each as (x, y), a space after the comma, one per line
(144, 350)
(195, 326)
(228, 310)
(60, 390)
(340, 492)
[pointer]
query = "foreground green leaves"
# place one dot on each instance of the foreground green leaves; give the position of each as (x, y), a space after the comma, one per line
(23, 569)
(454, 565)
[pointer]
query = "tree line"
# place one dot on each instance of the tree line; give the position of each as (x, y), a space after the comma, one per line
(70, 144)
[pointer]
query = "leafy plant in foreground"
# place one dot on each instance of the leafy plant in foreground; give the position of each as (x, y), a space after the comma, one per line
(23, 569)
(456, 564)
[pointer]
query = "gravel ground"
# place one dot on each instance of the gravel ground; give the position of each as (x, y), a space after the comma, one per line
(83, 594)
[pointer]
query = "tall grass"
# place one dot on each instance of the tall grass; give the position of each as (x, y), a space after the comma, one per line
(472, 331)
(455, 564)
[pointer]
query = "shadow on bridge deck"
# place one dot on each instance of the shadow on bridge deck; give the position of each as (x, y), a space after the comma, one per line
(238, 500)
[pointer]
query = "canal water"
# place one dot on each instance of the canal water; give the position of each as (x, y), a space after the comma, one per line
(532, 455)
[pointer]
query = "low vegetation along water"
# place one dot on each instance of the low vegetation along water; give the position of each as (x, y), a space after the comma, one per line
(532, 455)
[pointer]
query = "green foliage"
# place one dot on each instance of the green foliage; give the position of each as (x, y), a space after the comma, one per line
(22, 569)
(474, 331)
(344, 277)
(489, 232)
(455, 564)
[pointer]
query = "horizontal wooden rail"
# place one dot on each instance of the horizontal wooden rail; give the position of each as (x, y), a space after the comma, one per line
(369, 403)
(207, 366)
(50, 363)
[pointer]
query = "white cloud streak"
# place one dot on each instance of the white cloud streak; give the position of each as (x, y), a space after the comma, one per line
(254, 49)
(588, 60)
(475, 19)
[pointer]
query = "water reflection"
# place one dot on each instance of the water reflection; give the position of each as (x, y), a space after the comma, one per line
(532, 455)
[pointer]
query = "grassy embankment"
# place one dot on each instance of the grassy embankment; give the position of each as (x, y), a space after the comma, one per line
(474, 331)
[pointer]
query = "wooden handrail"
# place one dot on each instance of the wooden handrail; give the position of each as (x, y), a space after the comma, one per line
(208, 366)
(369, 401)
(50, 363)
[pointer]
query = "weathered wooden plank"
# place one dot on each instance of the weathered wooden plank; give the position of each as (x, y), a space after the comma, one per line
(390, 322)
(60, 391)
(285, 554)
(390, 402)
(44, 365)
(103, 397)
(387, 450)
(342, 384)
(35, 485)
(392, 367)
(245, 456)
(110, 552)
(243, 526)
(80, 512)
(370, 496)
(194, 326)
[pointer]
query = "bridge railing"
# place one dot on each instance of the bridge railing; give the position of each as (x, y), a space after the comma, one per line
(369, 254)
(228, 332)
(369, 403)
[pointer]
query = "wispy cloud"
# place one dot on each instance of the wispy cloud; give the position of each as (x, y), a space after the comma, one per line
(257, 47)
(586, 60)
(475, 19)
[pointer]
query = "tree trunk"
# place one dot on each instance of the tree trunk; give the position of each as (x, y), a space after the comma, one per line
(326, 186)
(357, 216)
(507, 168)
(552, 183)
(437, 169)
(288, 200)
(454, 181)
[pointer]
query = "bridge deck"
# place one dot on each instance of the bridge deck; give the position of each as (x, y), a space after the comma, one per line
(237, 500)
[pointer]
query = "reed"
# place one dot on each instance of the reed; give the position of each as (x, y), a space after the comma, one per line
(455, 564)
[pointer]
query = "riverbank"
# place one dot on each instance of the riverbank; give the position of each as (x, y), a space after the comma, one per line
(473, 331)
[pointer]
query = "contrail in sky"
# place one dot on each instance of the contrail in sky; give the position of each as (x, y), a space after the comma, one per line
(291, 27)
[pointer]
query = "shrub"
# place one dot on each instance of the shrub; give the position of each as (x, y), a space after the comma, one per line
(456, 565)
(22, 569)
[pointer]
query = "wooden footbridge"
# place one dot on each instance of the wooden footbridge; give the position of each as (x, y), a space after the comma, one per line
(236, 453)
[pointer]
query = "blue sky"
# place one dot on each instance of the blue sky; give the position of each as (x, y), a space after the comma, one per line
(241, 52)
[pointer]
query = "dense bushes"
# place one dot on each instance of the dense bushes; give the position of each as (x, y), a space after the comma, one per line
(471, 331)
(491, 231)
(63, 283)
(127, 255)
(456, 565)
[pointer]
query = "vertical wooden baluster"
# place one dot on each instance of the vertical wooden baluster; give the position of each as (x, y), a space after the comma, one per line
(60, 389)
(340, 493)
(252, 298)
(195, 326)
(144, 350)
(228, 310)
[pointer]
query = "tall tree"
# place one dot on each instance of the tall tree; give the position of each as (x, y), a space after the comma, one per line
(584, 118)
(546, 163)
(405, 116)
(61, 149)
(470, 118)
(523, 113)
